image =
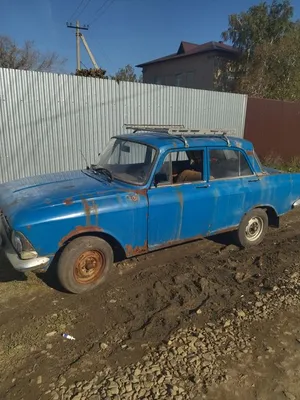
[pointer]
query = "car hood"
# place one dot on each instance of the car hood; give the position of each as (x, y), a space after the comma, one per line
(51, 190)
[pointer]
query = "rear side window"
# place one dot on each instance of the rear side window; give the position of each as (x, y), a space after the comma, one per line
(225, 163)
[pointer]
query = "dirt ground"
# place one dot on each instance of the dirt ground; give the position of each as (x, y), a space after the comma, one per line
(272, 370)
(143, 303)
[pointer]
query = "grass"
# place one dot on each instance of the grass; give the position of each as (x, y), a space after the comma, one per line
(275, 161)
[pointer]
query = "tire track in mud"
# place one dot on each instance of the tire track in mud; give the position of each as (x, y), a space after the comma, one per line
(145, 300)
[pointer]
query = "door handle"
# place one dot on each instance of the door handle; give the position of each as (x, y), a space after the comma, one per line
(254, 180)
(203, 187)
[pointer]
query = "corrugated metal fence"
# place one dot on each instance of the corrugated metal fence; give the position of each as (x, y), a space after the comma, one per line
(47, 119)
(273, 126)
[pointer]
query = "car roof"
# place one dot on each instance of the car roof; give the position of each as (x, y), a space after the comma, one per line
(165, 141)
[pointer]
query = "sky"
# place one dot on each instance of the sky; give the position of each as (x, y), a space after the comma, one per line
(120, 31)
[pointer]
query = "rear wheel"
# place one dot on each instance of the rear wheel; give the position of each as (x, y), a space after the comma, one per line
(252, 229)
(84, 264)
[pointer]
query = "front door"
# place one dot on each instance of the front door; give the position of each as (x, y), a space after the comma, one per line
(230, 173)
(181, 202)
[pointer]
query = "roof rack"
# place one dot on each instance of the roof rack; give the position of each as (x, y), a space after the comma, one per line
(182, 132)
(152, 128)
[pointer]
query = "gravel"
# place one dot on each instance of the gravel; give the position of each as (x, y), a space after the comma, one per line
(191, 360)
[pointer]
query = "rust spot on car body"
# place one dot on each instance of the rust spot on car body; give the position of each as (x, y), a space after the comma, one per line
(79, 230)
(141, 192)
(87, 211)
(68, 201)
(249, 152)
(133, 197)
(28, 227)
(135, 251)
(94, 210)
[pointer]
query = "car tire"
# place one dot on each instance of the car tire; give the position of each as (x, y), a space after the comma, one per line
(84, 264)
(252, 228)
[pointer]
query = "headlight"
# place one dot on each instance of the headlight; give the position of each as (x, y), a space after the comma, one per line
(17, 242)
(22, 246)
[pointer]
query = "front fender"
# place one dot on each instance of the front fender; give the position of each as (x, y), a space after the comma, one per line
(122, 216)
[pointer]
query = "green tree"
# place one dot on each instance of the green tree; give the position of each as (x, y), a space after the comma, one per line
(128, 74)
(27, 57)
(268, 42)
(261, 23)
(274, 71)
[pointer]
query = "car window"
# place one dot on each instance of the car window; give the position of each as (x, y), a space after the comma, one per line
(179, 155)
(225, 163)
(181, 167)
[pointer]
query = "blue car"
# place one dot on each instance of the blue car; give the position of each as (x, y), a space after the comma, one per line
(156, 187)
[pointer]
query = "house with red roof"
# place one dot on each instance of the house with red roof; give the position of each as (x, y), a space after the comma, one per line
(192, 66)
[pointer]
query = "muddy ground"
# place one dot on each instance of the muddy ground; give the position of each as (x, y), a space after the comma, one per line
(144, 302)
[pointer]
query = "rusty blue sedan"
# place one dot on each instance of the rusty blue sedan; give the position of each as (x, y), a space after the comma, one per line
(156, 187)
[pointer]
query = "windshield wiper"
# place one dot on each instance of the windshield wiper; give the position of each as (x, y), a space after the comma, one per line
(104, 171)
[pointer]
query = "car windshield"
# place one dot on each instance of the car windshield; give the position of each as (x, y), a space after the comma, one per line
(127, 161)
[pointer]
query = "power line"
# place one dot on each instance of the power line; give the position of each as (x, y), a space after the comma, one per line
(88, 2)
(83, 65)
(99, 9)
(103, 53)
(78, 7)
(106, 2)
(97, 15)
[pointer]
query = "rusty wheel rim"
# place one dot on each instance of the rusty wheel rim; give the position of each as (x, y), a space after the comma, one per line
(89, 266)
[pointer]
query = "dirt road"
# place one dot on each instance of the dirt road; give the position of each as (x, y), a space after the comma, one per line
(146, 302)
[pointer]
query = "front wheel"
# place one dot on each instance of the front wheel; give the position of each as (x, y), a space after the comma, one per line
(252, 228)
(84, 264)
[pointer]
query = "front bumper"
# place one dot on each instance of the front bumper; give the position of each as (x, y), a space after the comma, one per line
(296, 203)
(38, 263)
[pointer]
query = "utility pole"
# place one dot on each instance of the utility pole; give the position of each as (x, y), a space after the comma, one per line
(89, 51)
(78, 35)
(78, 45)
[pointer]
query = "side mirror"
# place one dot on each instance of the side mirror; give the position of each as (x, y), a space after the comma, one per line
(160, 178)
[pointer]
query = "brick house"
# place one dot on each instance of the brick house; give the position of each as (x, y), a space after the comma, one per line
(193, 66)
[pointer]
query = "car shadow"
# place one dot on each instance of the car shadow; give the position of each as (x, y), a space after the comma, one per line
(7, 272)
(50, 276)
(224, 239)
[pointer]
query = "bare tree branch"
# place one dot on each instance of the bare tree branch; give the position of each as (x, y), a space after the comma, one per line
(28, 57)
